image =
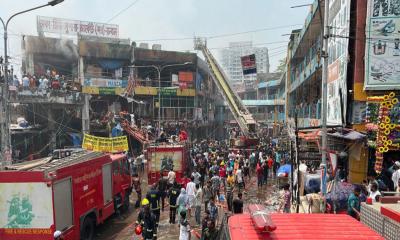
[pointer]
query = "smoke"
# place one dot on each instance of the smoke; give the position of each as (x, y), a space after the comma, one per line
(68, 49)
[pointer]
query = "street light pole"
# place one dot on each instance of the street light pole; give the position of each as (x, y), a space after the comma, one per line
(159, 69)
(324, 94)
(5, 111)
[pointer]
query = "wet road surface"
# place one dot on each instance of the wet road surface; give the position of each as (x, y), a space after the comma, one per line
(121, 227)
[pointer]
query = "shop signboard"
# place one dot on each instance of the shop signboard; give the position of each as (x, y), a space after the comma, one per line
(359, 112)
(26, 206)
(168, 91)
(382, 52)
(186, 77)
(105, 82)
(339, 21)
(74, 27)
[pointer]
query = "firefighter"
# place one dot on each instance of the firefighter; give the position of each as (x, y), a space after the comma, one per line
(162, 188)
(147, 220)
(173, 194)
(154, 197)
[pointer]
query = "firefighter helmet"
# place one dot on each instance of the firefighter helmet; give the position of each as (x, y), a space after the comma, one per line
(145, 201)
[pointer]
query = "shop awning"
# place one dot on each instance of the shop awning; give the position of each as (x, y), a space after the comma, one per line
(348, 134)
(310, 135)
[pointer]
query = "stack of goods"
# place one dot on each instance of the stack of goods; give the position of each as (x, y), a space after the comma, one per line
(388, 132)
(338, 194)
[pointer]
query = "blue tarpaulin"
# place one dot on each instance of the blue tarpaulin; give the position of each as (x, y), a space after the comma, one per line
(76, 139)
(116, 131)
(284, 169)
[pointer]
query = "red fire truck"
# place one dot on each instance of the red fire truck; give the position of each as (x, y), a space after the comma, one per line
(71, 194)
(165, 156)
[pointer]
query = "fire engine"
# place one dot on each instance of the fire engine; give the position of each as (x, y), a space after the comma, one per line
(166, 156)
(71, 194)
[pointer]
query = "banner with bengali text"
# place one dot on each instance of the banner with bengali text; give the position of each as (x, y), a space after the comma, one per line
(103, 144)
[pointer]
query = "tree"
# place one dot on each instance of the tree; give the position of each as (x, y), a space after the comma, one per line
(282, 66)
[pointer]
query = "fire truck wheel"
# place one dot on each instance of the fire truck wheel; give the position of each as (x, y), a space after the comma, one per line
(87, 229)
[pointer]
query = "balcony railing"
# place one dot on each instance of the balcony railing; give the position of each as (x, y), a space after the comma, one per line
(311, 111)
(300, 77)
(46, 95)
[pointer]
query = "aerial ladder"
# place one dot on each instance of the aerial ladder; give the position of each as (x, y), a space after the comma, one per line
(243, 117)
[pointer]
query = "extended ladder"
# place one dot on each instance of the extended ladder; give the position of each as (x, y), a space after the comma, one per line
(242, 116)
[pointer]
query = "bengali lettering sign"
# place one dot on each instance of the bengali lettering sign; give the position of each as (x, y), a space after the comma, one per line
(74, 27)
(103, 144)
(382, 52)
(339, 20)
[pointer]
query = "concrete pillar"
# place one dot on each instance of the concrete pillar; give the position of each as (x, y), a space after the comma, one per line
(85, 114)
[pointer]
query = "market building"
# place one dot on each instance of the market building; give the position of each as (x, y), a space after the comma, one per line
(357, 72)
(376, 85)
(46, 104)
(304, 78)
(90, 82)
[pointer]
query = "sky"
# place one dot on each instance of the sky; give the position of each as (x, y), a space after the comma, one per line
(153, 20)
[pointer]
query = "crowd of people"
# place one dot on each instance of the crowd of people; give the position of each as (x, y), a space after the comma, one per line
(372, 190)
(219, 179)
(49, 80)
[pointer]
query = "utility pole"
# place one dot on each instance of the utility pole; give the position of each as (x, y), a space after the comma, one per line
(324, 92)
(5, 108)
(159, 69)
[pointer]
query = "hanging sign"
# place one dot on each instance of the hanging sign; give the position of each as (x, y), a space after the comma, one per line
(103, 144)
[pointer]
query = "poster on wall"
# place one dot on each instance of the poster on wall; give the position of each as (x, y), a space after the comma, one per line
(339, 20)
(167, 160)
(26, 205)
(382, 56)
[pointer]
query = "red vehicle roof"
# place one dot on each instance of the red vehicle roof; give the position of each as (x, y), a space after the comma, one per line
(302, 226)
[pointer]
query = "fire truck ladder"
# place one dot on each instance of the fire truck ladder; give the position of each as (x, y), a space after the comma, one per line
(133, 132)
(241, 114)
(67, 161)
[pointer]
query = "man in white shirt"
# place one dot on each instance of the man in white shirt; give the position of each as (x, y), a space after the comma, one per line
(396, 174)
(197, 204)
(171, 177)
(374, 192)
(191, 191)
(45, 83)
(196, 175)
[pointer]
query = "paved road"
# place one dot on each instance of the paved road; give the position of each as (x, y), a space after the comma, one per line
(122, 227)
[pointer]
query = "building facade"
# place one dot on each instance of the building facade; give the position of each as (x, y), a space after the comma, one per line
(231, 62)
(89, 83)
(361, 68)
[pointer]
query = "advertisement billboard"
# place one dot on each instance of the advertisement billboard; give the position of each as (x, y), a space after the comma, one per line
(249, 64)
(26, 206)
(382, 52)
(339, 20)
(74, 27)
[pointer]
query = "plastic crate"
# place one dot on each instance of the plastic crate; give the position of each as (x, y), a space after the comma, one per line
(391, 229)
(372, 218)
